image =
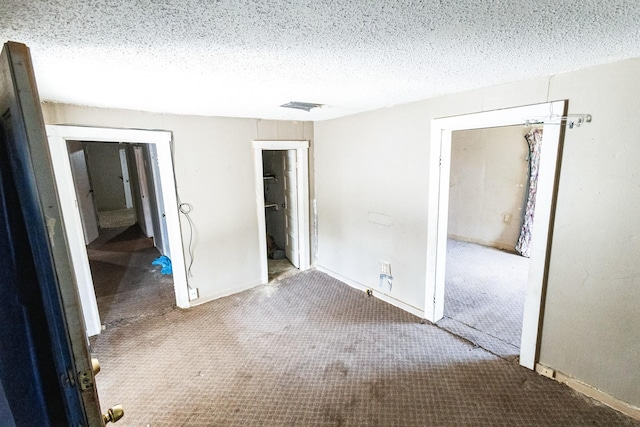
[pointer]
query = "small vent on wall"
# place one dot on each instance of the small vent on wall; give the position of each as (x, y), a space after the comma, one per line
(306, 106)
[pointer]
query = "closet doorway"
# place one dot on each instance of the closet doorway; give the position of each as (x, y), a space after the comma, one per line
(282, 192)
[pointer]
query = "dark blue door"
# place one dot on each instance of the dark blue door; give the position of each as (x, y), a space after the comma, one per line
(45, 369)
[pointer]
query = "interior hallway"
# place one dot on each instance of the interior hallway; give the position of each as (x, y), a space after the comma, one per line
(309, 350)
(128, 287)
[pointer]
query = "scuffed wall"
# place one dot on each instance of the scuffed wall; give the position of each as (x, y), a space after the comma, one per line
(378, 162)
(488, 182)
(214, 168)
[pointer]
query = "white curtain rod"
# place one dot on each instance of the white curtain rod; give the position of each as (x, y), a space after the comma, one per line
(570, 120)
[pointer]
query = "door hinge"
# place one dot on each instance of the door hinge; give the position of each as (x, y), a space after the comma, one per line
(85, 379)
(440, 162)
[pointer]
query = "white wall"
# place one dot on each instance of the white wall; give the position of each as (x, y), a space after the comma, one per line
(105, 171)
(156, 201)
(377, 162)
(135, 186)
(215, 173)
(370, 181)
(489, 176)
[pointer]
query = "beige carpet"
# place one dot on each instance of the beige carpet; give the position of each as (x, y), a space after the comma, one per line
(280, 268)
(308, 350)
(117, 218)
(128, 287)
(484, 296)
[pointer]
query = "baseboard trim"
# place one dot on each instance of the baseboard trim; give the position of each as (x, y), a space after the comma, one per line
(384, 297)
(587, 390)
(498, 245)
(225, 293)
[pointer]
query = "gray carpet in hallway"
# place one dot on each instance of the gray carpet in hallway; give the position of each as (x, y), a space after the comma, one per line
(117, 218)
(310, 351)
(128, 287)
(484, 296)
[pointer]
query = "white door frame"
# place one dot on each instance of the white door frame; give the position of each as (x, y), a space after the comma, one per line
(86, 203)
(160, 235)
(438, 207)
(58, 136)
(143, 186)
(124, 165)
(302, 169)
(290, 187)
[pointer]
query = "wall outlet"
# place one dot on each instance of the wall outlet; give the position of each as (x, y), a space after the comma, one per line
(193, 293)
(385, 268)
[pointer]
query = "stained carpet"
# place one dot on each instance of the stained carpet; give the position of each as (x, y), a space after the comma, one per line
(484, 296)
(280, 268)
(128, 287)
(308, 350)
(117, 218)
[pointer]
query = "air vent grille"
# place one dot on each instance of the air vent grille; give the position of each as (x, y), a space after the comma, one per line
(306, 106)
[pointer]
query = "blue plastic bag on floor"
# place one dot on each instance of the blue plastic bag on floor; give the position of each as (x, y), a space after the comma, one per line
(165, 262)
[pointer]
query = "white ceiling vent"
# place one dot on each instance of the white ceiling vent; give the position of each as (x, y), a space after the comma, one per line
(306, 106)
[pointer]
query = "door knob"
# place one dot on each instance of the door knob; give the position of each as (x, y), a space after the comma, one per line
(113, 414)
(95, 366)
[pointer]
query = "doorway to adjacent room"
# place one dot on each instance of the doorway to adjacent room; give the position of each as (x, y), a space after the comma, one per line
(166, 229)
(486, 278)
(548, 116)
(282, 195)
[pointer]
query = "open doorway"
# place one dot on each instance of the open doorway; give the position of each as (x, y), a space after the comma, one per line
(485, 277)
(108, 169)
(114, 181)
(156, 146)
(280, 203)
(282, 196)
(548, 115)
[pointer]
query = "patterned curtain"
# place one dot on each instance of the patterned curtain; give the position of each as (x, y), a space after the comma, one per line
(534, 139)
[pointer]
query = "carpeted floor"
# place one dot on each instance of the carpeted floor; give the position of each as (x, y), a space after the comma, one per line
(308, 350)
(128, 287)
(484, 296)
(117, 218)
(280, 268)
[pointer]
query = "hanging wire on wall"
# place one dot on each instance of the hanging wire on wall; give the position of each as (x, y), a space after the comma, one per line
(185, 209)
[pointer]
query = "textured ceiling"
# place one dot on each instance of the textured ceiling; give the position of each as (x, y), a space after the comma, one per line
(244, 58)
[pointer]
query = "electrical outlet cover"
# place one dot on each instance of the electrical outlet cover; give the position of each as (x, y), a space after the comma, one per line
(385, 268)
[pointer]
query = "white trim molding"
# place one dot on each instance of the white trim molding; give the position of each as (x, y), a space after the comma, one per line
(302, 175)
(373, 292)
(592, 392)
(438, 205)
(58, 135)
